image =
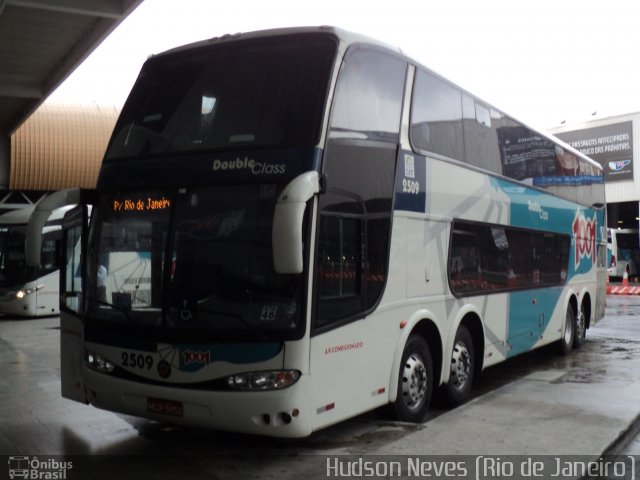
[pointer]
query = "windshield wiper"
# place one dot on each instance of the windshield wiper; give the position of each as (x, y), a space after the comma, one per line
(237, 316)
(125, 311)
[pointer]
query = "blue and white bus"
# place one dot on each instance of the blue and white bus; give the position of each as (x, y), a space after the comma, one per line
(292, 227)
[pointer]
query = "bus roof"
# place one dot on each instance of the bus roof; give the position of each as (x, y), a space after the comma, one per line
(343, 36)
(17, 217)
(21, 216)
(347, 38)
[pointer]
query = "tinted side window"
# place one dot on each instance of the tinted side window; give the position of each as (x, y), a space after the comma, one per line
(485, 258)
(536, 160)
(50, 253)
(368, 97)
(481, 124)
(436, 117)
(526, 154)
(340, 267)
(359, 163)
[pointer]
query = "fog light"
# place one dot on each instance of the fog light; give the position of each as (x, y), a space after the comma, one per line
(261, 381)
(98, 362)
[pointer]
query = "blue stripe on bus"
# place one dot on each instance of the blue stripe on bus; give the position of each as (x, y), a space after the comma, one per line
(527, 325)
(531, 208)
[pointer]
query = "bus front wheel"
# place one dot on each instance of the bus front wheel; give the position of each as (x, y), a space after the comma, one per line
(415, 382)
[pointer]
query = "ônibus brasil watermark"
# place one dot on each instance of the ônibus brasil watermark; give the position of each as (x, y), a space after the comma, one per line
(35, 468)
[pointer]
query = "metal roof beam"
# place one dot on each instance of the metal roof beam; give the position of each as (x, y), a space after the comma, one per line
(18, 90)
(93, 8)
(21, 96)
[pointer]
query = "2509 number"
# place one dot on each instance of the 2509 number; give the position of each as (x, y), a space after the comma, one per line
(137, 360)
(410, 186)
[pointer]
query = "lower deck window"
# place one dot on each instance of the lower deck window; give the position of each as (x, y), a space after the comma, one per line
(485, 258)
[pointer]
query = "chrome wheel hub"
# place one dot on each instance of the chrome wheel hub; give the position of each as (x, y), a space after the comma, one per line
(414, 382)
(581, 324)
(568, 327)
(460, 366)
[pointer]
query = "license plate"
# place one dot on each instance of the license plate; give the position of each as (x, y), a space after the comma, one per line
(165, 407)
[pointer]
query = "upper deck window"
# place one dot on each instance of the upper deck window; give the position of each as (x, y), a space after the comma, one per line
(263, 93)
(436, 117)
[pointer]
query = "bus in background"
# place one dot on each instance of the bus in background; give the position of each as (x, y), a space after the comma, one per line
(29, 291)
(292, 227)
(623, 246)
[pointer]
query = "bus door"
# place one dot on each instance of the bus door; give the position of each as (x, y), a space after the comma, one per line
(47, 283)
(527, 320)
(535, 263)
(75, 226)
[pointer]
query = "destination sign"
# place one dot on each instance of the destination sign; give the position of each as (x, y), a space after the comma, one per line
(141, 204)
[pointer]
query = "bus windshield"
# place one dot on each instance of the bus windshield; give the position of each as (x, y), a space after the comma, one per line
(198, 259)
(227, 96)
(13, 267)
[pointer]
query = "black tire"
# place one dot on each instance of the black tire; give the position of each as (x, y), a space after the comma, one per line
(568, 332)
(415, 382)
(458, 389)
(581, 328)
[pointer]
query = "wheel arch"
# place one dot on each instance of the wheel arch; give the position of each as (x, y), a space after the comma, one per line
(572, 302)
(422, 323)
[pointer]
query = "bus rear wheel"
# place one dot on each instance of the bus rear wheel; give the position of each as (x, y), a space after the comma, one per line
(458, 388)
(581, 328)
(415, 382)
(568, 332)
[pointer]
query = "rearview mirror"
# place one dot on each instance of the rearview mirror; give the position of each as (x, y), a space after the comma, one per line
(41, 213)
(286, 235)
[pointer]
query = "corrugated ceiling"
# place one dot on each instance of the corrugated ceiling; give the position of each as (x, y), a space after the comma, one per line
(60, 146)
(42, 42)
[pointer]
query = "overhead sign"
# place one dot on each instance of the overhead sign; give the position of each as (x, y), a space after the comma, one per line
(138, 204)
(609, 145)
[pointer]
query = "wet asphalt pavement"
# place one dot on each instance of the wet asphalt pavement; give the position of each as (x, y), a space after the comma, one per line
(537, 404)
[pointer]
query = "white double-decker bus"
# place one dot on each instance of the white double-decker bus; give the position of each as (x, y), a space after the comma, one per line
(292, 227)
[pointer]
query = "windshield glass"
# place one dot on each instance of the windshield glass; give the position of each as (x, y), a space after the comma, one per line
(231, 95)
(126, 255)
(13, 265)
(195, 260)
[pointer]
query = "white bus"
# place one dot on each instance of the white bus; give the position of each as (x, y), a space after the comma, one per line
(29, 291)
(297, 226)
(623, 246)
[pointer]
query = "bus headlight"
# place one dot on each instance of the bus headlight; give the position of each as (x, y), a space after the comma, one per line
(261, 381)
(24, 292)
(27, 291)
(98, 362)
